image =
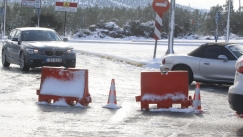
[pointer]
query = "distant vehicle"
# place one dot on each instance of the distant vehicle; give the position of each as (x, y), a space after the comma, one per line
(209, 63)
(31, 47)
(235, 93)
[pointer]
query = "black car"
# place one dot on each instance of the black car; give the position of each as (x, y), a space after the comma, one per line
(32, 47)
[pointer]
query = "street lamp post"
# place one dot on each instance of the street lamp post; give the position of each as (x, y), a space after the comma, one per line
(228, 22)
(4, 20)
(171, 29)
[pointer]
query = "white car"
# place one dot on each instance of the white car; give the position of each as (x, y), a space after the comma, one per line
(209, 63)
(235, 93)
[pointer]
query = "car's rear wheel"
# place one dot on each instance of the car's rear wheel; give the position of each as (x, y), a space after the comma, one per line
(185, 68)
(4, 60)
(23, 65)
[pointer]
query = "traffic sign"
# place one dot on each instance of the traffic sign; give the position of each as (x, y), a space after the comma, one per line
(37, 4)
(31, 3)
(38, 11)
(66, 6)
(161, 6)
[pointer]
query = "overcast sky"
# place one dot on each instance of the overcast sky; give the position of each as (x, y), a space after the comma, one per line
(206, 4)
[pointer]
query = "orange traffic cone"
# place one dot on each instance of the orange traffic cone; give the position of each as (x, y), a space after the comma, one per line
(112, 103)
(196, 104)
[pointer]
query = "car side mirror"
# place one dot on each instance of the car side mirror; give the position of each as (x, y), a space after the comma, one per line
(16, 39)
(223, 57)
(65, 39)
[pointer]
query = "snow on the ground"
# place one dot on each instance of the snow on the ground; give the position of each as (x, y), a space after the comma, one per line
(185, 110)
(111, 106)
(59, 87)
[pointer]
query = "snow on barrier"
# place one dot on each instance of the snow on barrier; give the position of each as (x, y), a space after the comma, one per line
(70, 84)
(164, 89)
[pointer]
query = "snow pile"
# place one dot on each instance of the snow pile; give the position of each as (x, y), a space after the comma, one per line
(134, 28)
(71, 88)
(152, 97)
(60, 102)
(110, 30)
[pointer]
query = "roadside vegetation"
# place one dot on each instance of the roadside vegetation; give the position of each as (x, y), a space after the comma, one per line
(119, 22)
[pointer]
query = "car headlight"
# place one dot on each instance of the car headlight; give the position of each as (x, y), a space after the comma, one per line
(32, 51)
(70, 51)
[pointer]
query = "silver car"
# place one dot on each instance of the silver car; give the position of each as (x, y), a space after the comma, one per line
(209, 63)
(31, 47)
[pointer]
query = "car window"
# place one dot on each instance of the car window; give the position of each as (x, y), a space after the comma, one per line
(236, 49)
(40, 35)
(228, 54)
(214, 52)
(11, 35)
(17, 34)
(211, 53)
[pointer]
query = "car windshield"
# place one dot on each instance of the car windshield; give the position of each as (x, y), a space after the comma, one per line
(236, 49)
(40, 35)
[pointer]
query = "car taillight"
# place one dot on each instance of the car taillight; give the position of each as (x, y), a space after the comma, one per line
(163, 61)
(239, 67)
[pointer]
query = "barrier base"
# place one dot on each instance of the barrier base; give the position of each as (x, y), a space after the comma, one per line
(72, 101)
(164, 104)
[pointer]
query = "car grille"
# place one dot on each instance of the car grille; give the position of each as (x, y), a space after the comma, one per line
(53, 53)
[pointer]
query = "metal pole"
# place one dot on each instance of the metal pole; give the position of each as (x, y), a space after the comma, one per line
(228, 22)
(239, 6)
(155, 48)
(38, 21)
(5, 12)
(30, 17)
(65, 22)
(172, 24)
(216, 33)
(217, 19)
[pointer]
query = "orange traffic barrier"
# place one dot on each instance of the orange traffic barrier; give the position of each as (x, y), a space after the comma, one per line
(58, 83)
(197, 99)
(112, 102)
(164, 89)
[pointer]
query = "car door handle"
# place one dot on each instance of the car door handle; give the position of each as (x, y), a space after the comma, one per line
(206, 63)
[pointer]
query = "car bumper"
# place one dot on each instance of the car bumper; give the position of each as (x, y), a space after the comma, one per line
(235, 94)
(39, 61)
(166, 67)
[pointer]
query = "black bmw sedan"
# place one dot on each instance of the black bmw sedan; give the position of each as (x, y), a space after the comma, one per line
(31, 47)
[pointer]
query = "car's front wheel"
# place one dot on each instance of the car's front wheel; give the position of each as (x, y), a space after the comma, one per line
(23, 65)
(185, 68)
(4, 60)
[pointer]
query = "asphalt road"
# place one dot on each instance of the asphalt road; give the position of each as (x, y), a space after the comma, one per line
(21, 115)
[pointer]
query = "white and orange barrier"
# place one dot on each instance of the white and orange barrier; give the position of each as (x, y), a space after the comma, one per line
(69, 84)
(164, 89)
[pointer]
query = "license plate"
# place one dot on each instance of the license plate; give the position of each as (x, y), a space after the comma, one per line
(54, 60)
